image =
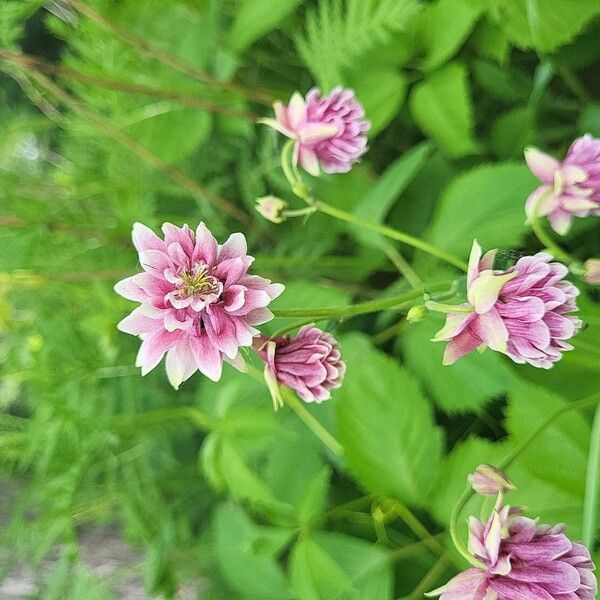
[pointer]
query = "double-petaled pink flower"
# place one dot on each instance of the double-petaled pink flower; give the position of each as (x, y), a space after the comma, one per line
(198, 303)
(521, 560)
(329, 131)
(309, 362)
(570, 188)
(522, 312)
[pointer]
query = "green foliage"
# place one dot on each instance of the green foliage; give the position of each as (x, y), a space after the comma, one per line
(147, 113)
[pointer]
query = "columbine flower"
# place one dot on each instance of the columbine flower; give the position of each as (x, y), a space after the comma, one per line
(521, 312)
(570, 188)
(592, 271)
(522, 560)
(309, 363)
(329, 131)
(489, 481)
(198, 304)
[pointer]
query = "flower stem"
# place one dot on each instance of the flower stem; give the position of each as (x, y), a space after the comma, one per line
(506, 463)
(394, 234)
(159, 416)
(361, 308)
(548, 242)
(592, 487)
(328, 440)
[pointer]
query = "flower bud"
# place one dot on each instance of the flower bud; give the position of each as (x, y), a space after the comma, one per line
(271, 208)
(592, 271)
(489, 481)
(416, 313)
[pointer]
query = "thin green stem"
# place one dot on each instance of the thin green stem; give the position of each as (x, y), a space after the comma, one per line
(591, 503)
(403, 266)
(312, 423)
(394, 234)
(548, 242)
(163, 415)
(392, 302)
(431, 577)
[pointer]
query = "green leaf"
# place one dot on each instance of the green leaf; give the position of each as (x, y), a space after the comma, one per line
(468, 384)
(441, 106)
(171, 132)
(385, 425)
(589, 120)
(255, 18)
(445, 25)
(486, 203)
(544, 24)
(313, 500)
(333, 566)
(375, 205)
(247, 554)
(512, 132)
(382, 91)
(339, 31)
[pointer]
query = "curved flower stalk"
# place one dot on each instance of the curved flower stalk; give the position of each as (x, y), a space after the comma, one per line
(519, 559)
(570, 188)
(198, 304)
(522, 312)
(309, 363)
(329, 131)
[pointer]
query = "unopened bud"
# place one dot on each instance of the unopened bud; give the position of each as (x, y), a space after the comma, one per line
(271, 208)
(592, 271)
(489, 481)
(416, 313)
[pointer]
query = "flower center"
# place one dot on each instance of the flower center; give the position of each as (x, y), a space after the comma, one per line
(198, 282)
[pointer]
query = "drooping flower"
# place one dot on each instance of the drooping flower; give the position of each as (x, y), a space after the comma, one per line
(570, 188)
(521, 560)
(522, 312)
(592, 271)
(198, 303)
(309, 363)
(329, 131)
(490, 481)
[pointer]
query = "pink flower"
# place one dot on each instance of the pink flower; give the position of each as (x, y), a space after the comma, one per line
(570, 188)
(309, 363)
(329, 131)
(522, 560)
(521, 312)
(198, 304)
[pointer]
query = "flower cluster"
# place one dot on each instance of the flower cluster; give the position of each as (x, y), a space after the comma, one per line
(520, 559)
(522, 312)
(570, 188)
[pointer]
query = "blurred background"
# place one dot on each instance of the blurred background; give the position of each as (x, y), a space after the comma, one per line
(116, 111)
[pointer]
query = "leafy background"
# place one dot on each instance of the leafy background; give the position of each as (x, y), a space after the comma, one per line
(140, 110)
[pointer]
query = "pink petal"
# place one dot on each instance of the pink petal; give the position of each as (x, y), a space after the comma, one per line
(207, 357)
(308, 161)
(154, 347)
(180, 363)
(145, 239)
(129, 289)
(542, 165)
(206, 247)
(460, 345)
(234, 247)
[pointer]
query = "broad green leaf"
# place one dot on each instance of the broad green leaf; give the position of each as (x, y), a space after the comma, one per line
(375, 205)
(441, 106)
(171, 132)
(512, 132)
(247, 554)
(468, 384)
(382, 92)
(333, 566)
(589, 120)
(391, 443)
(487, 204)
(445, 25)
(313, 500)
(255, 18)
(544, 24)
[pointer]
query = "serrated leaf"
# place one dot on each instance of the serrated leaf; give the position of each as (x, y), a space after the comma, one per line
(544, 24)
(441, 106)
(391, 443)
(486, 203)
